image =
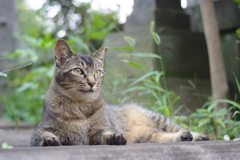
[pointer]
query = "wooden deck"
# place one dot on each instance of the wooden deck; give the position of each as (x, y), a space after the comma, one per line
(209, 150)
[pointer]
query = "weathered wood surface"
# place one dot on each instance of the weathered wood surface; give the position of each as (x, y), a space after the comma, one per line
(211, 150)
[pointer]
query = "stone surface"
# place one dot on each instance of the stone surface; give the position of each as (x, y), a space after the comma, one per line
(184, 54)
(227, 13)
(137, 27)
(190, 98)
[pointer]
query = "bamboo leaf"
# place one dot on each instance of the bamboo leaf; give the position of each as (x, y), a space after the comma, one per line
(134, 89)
(130, 41)
(144, 76)
(146, 55)
(134, 64)
(154, 87)
(123, 48)
(228, 101)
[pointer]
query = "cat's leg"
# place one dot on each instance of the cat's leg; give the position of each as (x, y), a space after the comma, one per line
(42, 137)
(165, 124)
(199, 137)
(106, 137)
(111, 137)
(159, 136)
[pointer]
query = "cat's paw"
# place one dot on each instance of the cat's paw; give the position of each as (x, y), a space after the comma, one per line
(199, 137)
(184, 136)
(51, 141)
(116, 139)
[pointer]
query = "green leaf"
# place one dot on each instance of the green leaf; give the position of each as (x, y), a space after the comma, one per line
(134, 89)
(211, 106)
(5, 146)
(156, 38)
(192, 84)
(28, 85)
(134, 64)
(144, 76)
(80, 42)
(203, 122)
(154, 87)
(227, 101)
(152, 26)
(237, 82)
(130, 40)
(237, 112)
(219, 121)
(145, 55)
(14, 117)
(167, 111)
(123, 48)
(127, 55)
(3, 74)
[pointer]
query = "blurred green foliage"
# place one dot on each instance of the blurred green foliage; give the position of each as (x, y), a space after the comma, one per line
(26, 86)
(86, 32)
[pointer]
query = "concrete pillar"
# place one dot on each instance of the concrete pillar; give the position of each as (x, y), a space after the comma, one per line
(8, 25)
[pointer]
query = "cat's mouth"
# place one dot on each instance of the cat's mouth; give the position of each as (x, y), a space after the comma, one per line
(87, 91)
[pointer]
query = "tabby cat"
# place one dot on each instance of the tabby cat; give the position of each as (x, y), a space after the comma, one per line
(74, 112)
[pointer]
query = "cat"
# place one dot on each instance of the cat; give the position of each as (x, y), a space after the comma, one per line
(75, 113)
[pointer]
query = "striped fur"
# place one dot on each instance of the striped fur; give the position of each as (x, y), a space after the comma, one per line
(74, 112)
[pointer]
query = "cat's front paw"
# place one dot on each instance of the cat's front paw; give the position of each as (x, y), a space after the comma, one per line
(116, 139)
(183, 136)
(199, 137)
(51, 141)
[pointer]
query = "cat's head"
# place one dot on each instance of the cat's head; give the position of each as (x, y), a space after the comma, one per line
(78, 76)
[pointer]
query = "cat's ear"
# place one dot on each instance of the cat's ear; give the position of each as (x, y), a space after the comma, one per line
(100, 53)
(62, 52)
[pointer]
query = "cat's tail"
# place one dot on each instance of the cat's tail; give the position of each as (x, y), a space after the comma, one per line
(162, 122)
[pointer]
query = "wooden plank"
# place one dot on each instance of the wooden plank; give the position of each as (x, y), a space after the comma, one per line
(183, 150)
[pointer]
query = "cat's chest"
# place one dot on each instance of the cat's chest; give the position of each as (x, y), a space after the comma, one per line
(75, 132)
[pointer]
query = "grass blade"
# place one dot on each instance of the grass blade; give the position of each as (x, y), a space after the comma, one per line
(123, 48)
(146, 55)
(130, 41)
(143, 77)
(14, 117)
(237, 82)
(156, 38)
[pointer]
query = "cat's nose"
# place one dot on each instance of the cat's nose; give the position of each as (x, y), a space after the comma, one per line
(91, 84)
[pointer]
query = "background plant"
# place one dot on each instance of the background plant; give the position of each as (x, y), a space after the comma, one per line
(26, 86)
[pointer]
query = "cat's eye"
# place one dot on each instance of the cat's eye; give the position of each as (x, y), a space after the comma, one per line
(78, 71)
(97, 73)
